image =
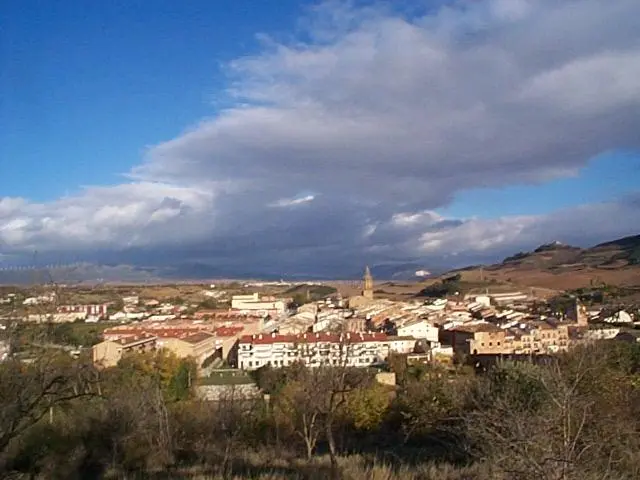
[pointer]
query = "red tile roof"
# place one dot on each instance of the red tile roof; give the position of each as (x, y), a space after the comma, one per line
(197, 337)
(228, 331)
(314, 338)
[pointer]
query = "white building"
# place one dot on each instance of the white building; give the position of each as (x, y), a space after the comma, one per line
(601, 334)
(402, 344)
(420, 329)
(316, 349)
(438, 305)
(262, 306)
(122, 316)
(483, 300)
(510, 298)
(131, 300)
(47, 298)
(618, 317)
(91, 310)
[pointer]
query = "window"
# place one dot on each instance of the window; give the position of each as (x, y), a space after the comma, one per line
(250, 364)
(491, 344)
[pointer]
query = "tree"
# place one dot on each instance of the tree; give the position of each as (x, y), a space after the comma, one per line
(299, 405)
(29, 392)
(366, 407)
(425, 401)
(573, 418)
(173, 375)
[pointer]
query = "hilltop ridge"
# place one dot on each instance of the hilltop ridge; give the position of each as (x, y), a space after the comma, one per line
(559, 266)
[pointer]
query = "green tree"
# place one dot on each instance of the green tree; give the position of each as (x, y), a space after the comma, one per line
(366, 407)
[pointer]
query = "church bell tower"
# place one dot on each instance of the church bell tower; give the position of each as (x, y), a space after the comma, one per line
(367, 292)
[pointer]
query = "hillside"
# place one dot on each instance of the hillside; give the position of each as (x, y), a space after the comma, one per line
(558, 266)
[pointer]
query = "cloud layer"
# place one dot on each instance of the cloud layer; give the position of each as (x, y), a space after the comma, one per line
(339, 149)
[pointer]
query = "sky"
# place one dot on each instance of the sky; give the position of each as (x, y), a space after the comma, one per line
(302, 137)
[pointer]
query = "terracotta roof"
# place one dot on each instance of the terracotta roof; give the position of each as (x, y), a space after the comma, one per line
(477, 327)
(197, 337)
(228, 331)
(314, 338)
(397, 338)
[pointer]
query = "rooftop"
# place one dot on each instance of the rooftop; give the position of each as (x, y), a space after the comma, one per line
(477, 327)
(314, 338)
(197, 337)
(135, 339)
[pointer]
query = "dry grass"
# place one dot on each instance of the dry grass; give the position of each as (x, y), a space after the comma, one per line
(354, 467)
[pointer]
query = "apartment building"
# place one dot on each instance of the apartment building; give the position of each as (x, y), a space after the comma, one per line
(199, 346)
(542, 337)
(534, 337)
(199, 341)
(315, 349)
(109, 352)
(253, 304)
(476, 339)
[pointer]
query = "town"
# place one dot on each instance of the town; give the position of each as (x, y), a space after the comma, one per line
(316, 325)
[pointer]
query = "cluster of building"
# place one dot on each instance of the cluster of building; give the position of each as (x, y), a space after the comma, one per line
(361, 330)
(364, 331)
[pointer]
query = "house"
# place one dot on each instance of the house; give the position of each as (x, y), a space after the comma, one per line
(420, 329)
(55, 317)
(109, 352)
(92, 310)
(618, 317)
(131, 300)
(402, 344)
(601, 334)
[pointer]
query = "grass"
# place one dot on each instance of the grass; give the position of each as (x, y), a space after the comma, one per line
(259, 466)
(228, 377)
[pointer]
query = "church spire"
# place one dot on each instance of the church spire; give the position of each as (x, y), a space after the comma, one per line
(367, 292)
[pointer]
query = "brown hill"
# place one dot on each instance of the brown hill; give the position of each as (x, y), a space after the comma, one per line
(562, 267)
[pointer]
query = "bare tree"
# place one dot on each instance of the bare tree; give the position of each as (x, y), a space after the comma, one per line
(299, 405)
(553, 422)
(28, 392)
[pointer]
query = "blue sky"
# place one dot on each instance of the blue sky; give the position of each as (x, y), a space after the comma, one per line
(87, 85)
(606, 177)
(362, 130)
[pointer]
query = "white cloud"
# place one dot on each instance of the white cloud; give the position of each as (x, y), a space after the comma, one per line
(108, 217)
(292, 202)
(385, 118)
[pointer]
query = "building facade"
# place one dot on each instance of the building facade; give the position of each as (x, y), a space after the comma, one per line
(316, 349)
(109, 352)
(253, 304)
(421, 329)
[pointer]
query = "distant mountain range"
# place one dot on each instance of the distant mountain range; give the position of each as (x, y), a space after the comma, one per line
(557, 259)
